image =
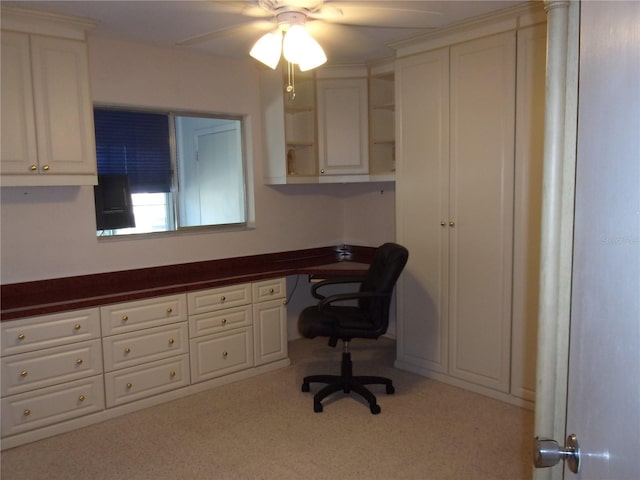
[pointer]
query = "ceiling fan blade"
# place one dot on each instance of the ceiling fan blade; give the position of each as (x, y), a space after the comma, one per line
(253, 26)
(400, 14)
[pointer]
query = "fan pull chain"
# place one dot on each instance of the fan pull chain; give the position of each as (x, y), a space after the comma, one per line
(291, 81)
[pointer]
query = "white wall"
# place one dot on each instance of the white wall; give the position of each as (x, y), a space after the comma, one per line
(49, 232)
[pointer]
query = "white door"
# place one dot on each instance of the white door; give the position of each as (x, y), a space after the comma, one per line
(603, 393)
(603, 404)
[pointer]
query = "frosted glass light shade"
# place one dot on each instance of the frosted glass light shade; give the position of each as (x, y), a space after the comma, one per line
(268, 48)
(300, 47)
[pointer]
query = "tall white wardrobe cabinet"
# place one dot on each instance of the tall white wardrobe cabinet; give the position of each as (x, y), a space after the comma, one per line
(469, 132)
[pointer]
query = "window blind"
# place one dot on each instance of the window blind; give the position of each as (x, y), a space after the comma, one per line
(135, 144)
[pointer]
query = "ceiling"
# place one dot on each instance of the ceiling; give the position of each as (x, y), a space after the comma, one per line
(352, 31)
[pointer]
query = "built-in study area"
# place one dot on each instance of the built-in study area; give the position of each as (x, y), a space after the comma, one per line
(442, 155)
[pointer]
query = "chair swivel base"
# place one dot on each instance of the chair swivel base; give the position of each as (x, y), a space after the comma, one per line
(347, 383)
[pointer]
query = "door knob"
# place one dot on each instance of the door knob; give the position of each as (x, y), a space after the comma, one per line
(547, 453)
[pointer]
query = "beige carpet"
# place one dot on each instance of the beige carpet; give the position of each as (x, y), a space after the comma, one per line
(265, 428)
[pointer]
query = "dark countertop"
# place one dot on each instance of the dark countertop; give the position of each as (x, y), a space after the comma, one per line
(28, 299)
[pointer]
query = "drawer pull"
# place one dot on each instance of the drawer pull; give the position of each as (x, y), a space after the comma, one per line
(81, 398)
(172, 374)
(45, 168)
(33, 168)
(271, 291)
(125, 318)
(129, 386)
(27, 412)
(79, 361)
(171, 341)
(21, 336)
(224, 321)
(127, 350)
(223, 298)
(225, 354)
(169, 309)
(23, 373)
(77, 326)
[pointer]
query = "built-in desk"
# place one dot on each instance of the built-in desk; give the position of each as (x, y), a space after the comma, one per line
(80, 350)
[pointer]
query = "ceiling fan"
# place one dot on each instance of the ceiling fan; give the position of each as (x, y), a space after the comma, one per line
(286, 21)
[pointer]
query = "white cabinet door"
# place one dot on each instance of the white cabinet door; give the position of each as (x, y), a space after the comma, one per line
(455, 131)
(343, 127)
(481, 209)
(270, 331)
(422, 178)
(18, 150)
(64, 114)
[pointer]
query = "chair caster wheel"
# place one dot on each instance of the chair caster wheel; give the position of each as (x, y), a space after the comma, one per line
(375, 409)
(317, 407)
(305, 386)
(390, 389)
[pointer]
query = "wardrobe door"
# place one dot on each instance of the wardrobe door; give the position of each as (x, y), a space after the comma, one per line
(422, 177)
(481, 209)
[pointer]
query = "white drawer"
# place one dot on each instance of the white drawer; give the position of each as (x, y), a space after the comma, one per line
(46, 331)
(135, 383)
(42, 368)
(218, 298)
(143, 346)
(27, 411)
(269, 289)
(130, 316)
(219, 321)
(220, 354)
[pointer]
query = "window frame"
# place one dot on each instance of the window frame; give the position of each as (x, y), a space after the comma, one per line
(174, 207)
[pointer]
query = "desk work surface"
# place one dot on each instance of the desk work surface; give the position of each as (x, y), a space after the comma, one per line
(27, 299)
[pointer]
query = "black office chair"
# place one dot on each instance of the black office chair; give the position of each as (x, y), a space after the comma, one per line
(369, 319)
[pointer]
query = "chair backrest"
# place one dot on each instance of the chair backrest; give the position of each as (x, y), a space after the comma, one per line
(386, 266)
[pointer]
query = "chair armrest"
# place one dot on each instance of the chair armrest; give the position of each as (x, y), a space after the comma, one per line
(334, 281)
(341, 297)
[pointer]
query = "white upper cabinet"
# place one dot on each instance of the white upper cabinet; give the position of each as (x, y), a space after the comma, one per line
(47, 116)
(322, 133)
(343, 147)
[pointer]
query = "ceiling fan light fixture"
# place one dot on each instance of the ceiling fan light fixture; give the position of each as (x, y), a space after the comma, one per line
(301, 48)
(268, 48)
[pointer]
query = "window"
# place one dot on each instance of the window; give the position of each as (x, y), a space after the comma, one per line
(162, 171)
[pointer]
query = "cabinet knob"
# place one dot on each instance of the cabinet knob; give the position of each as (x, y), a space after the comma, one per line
(171, 341)
(224, 321)
(79, 361)
(33, 168)
(125, 318)
(77, 326)
(24, 373)
(322, 170)
(223, 298)
(129, 386)
(172, 374)
(271, 291)
(81, 398)
(127, 350)
(21, 336)
(169, 309)
(27, 412)
(225, 354)
(451, 224)
(443, 223)
(45, 168)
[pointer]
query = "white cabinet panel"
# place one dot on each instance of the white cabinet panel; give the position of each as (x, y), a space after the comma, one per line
(219, 298)
(46, 331)
(219, 321)
(31, 410)
(146, 345)
(38, 369)
(220, 354)
(136, 383)
(130, 316)
(270, 331)
(343, 127)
